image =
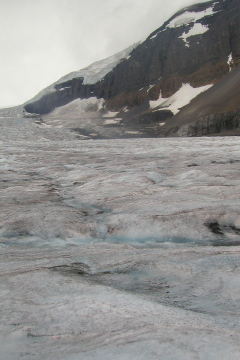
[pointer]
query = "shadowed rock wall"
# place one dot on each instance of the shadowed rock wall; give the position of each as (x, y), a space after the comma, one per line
(212, 124)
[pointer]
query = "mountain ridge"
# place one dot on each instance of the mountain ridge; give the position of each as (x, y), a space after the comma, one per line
(198, 46)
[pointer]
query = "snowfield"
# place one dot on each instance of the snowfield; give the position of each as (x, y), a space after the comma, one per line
(197, 29)
(124, 249)
(181, 98)
(189, 18)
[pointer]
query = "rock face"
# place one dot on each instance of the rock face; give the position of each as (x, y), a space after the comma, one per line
(215, 111)
(212, 124)
(199, 45)
(63, 94)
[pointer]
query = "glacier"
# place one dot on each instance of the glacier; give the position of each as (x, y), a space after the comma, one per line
(125, 249)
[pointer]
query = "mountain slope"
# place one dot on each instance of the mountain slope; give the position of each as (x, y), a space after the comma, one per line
(89, 75)
(215, 111)
(192, 51)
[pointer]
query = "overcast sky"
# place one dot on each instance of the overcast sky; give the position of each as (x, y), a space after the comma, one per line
(42, 40)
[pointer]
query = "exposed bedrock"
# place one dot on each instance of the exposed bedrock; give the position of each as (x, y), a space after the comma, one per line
(151, 118)
(61, 95)
(164, 61)
(212, 124)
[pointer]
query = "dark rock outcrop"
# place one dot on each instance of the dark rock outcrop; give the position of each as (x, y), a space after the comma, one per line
(63, 94)
(212, 125)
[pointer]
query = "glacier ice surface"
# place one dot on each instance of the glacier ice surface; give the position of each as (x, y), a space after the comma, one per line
(122, 249)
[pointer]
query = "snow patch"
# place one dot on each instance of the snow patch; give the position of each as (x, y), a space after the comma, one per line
(181, 98)
(183, 21)
(67, 87)
(150, 87)
(111, 121)
(153, 37)
(189, 16)
(132, 132)
(110, 114)
(197, 29)
(81, 106)
(230, 62)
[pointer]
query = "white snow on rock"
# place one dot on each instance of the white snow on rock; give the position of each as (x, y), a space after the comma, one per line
(230, 62)
(67, 87)
(189, 16)
(149, 88)
(112, 121)
(181, 98)
(197, 29)
(153, 37)
(92, 73)
(81, 106)
(110, 114)
(133, 132)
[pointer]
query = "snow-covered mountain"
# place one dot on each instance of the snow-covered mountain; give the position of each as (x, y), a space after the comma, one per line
(90, 74)
(146, 85)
